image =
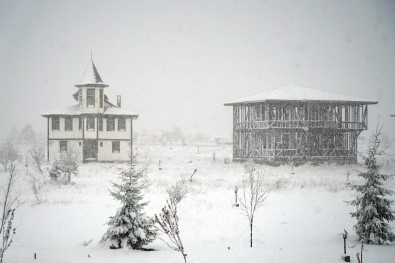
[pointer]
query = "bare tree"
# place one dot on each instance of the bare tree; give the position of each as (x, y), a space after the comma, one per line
(168, 219)
(37, 154)
(178, 191)
(168, 224)
(9, 204)
(8, 155)
(253, 195)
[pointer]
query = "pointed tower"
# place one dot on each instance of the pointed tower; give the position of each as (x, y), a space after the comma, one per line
(91, 90)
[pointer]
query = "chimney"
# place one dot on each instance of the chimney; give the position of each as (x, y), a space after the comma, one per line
(119, 101)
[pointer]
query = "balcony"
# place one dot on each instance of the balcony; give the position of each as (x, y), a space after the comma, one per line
(299, 124)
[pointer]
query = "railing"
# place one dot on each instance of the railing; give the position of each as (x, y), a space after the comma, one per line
(294, 153)
(295, 124)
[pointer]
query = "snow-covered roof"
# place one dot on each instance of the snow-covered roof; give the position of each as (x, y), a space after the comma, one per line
(118, 111)
(294, 92)
(71, 110)
(91, 77)
(75, 110)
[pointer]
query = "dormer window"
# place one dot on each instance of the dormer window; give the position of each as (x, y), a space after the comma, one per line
(80, 97)
(101, 98)
(90, 98)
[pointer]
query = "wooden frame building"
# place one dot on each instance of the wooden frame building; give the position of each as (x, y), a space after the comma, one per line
(296, 123)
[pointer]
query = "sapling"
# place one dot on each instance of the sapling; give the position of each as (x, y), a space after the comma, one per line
(253, 195)
(167, 220)
(9, 204)
(37, 155)
(190, 179)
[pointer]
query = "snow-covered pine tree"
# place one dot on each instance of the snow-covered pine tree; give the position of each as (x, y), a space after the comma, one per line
(130, 227)
(373, 208)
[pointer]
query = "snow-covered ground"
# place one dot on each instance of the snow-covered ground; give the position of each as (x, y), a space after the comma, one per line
(302, 219)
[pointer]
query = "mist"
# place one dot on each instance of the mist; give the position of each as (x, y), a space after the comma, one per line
(176, 63)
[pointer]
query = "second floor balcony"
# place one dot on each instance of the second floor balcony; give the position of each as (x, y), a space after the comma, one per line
(301, 124)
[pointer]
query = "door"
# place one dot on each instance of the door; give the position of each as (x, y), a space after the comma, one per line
(90, 150)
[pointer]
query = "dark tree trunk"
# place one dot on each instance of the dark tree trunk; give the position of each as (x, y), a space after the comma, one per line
(251, 234)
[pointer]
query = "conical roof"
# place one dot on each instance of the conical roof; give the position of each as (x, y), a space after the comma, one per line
(91, 77)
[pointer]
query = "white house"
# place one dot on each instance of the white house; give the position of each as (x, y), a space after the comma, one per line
(95, 129)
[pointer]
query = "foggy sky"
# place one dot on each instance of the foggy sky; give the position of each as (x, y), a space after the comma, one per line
(176, 62)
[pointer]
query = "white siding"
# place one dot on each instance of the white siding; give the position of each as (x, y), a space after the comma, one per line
(106, 154)
(105, 137)
(61, 133)
(115, 134)
(54, 149)
(97, 108)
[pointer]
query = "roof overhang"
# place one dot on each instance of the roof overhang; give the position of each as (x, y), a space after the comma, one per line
(92, 85)
(333, 102)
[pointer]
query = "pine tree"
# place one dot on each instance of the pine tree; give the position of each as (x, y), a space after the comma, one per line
(130, 227)
(373, 208)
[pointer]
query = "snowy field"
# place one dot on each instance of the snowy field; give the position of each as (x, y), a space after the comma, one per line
(302, 219)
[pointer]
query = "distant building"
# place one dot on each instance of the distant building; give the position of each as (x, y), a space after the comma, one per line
(94, 128)
(296, 123)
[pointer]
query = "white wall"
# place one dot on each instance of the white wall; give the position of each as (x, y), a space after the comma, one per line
(61, 133)
(106, 154)
(115, 134)
(95, 109)
(54, 149)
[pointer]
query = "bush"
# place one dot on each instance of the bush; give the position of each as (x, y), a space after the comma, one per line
(63, 168)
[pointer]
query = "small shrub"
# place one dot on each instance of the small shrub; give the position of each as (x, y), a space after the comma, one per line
(178, 191)
(63, 168)
(280, 183)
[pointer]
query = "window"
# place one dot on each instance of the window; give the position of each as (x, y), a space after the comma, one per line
(80, 123)
(55, 123)
(80, 97)
(90, 123)
(63, 146)
(68, 124)
(101, 144)
(115, 147)
(121, 124)
(101, 98)
(110, 124)
(100, 124)
(90, 102)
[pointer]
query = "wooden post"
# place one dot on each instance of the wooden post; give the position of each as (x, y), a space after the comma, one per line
(236, 189)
